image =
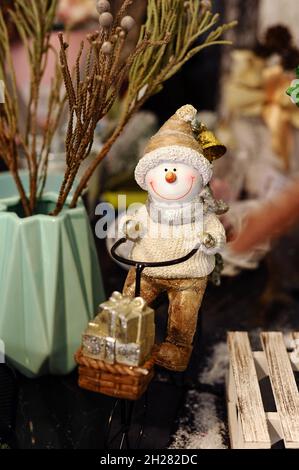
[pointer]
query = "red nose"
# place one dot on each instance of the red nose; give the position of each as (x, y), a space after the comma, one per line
(170, 177)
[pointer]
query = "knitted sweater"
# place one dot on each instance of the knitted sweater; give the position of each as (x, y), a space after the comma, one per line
(164, 241)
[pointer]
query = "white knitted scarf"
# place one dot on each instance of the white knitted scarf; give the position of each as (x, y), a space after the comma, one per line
(176, 213)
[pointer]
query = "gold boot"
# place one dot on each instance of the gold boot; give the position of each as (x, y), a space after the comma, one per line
(173, 356)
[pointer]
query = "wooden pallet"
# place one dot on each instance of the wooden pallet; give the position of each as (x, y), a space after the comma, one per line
(254, 380)
(115, 380)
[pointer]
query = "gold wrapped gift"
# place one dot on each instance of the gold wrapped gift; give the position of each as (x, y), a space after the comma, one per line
(123, 331)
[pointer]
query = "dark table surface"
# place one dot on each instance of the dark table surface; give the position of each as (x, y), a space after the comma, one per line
(53, 412)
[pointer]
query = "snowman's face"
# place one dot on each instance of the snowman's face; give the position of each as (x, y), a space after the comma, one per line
(172, 182)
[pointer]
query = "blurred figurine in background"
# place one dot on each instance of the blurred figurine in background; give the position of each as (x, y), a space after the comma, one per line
(278, 215)
(263, 136)
(76, 12)
(179, 216)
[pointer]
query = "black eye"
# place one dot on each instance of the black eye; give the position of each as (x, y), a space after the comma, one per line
(166, 169)
(174, 169)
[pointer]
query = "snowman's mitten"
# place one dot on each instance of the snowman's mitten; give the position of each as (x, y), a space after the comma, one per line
(208, 244)
(132, 229)
(208, 241)
(213, 238)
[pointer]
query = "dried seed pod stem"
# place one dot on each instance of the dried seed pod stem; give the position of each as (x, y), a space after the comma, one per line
(169, 37)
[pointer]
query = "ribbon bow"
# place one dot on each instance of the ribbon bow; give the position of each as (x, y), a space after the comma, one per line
(121, 309)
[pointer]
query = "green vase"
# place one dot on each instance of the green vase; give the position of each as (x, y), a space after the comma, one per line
(50, 285)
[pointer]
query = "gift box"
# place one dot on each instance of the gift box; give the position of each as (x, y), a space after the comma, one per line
(123, 332)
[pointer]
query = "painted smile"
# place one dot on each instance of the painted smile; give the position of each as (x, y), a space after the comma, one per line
(173, 198)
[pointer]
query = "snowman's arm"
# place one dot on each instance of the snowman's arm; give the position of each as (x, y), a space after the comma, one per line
(214, 227)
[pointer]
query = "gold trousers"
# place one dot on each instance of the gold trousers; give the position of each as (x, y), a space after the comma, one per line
(185, 298)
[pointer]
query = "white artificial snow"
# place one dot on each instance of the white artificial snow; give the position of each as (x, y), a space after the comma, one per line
(204, 429)
(217, 366)
(207, 431)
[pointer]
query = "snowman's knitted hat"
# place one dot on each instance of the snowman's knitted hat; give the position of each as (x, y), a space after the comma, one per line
(175, 142)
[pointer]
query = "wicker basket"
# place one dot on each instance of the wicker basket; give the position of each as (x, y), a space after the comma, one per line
(115, 380)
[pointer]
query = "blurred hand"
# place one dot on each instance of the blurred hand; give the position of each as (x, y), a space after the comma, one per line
(272, 220)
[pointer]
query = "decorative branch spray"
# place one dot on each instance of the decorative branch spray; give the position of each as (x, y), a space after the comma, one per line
(172, 34)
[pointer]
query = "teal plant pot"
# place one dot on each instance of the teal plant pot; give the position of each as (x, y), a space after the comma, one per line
(50, 284)
(9, 192)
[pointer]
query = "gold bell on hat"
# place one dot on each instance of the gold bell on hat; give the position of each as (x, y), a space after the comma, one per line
(211, 146)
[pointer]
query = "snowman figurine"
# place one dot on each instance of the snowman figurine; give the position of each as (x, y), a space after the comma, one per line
(175, 220)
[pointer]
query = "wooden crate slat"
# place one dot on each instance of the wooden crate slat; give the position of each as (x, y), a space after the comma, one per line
(283, 385)
(296, 336)
(249, 400)
(294, 355)
(274, 426)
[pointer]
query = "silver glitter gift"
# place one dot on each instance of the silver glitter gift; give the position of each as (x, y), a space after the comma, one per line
(123, 331)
